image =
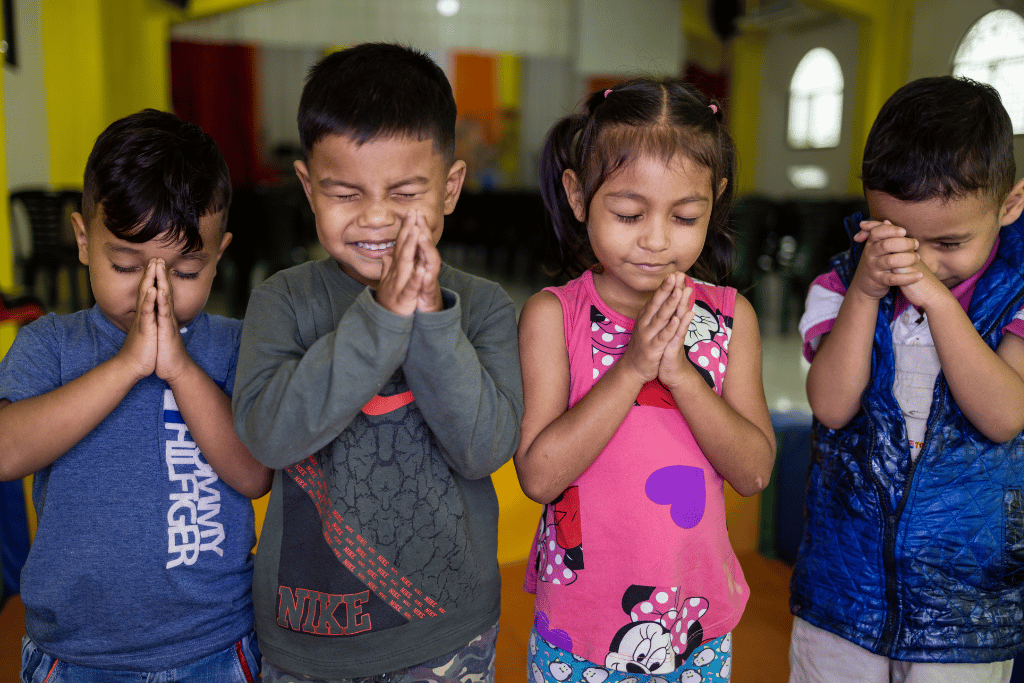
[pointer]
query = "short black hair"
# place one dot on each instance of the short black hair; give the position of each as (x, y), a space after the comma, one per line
(940, 137)
(154, 174)
(378, 90)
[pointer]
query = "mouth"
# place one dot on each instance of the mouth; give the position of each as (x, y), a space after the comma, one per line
(650, 267)
(375, 249)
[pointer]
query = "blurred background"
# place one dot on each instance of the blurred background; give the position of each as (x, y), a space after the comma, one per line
(800, 83)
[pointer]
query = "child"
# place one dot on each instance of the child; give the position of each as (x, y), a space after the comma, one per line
(384, 388)
(912, 563)
(643, 394)
(142, 561)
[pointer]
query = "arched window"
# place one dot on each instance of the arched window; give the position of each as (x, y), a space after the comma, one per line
(816, 101)
(993, 52)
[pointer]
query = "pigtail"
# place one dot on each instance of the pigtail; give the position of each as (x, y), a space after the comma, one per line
(715, 262)
(572, 245)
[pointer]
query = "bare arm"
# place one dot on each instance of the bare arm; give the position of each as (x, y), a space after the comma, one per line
(987, 385)
(556, 444)
(206, 410)
(35, 432)
(733, 430)
(204, 406)
(841, 368)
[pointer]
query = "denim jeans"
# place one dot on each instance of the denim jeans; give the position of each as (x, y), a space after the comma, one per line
(239, 663)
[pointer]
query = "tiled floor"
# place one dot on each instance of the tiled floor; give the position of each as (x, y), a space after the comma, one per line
(761, 639)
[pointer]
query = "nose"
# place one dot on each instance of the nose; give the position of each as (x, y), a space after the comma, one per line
(377, 214)
(654, 236)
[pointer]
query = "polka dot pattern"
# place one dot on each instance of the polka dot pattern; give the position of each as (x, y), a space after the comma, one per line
(706, 344)
(676, 615)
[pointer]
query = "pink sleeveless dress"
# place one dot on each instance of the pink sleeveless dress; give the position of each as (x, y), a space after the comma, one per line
(635, 552)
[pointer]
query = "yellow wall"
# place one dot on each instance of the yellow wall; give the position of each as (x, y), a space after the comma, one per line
(883, 64)
(104, 59)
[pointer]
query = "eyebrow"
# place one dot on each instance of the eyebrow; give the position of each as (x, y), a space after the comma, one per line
(952, 237)
(131, 251)
(412, 180)
(626, 194)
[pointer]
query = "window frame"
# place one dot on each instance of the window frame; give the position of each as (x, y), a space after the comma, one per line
(831, 93)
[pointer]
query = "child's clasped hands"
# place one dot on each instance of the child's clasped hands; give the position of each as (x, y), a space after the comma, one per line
(655, 350)
(891, 259)
(154, 343)
(408, 280)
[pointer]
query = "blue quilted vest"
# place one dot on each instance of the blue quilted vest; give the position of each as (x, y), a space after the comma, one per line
(919, 560)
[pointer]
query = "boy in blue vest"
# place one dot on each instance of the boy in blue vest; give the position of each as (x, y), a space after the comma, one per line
(912, 563)
(383, 386)
(141, 567)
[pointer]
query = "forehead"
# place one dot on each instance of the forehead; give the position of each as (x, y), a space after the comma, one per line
(381, 160)
(652, 175)
(972, 214)
(211, 229)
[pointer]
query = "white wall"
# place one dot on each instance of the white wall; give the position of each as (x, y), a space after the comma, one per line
(783, 50)
(282, 74)
(536, 27)
(26, 132)
(938, 27)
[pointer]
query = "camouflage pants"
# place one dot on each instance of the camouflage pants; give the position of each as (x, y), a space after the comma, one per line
(473, 663)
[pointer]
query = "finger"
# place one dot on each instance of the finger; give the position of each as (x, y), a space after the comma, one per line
(147, 281)
(385, 267)
(903, 278)
(405, 244)
(649, 313)
(162, 285)
(671, 303)
(146, 312)
(671, 329)
(428, 255)
(674, 347)
(903, 259)
(886, 231)
(685, 302)
(894, 245)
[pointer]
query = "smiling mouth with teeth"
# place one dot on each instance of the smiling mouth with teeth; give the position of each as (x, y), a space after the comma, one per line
(375, 246)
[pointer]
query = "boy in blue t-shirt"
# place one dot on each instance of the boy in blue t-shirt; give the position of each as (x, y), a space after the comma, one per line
(142, 559)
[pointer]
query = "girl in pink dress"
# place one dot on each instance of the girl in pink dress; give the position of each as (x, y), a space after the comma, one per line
(643, 395)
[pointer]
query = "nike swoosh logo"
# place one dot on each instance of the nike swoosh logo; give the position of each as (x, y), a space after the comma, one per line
(379, 405)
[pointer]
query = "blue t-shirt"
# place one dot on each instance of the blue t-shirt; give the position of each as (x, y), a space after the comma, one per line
(142, 559)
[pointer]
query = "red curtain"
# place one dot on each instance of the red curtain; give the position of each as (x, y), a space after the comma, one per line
(217, 88)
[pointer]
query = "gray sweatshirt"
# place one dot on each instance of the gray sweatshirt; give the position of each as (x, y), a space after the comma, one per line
(378, 551)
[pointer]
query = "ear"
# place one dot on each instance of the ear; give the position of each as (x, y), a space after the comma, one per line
(1013, 204)
(453, 185)
(302, 171)
(574, 193)
(724, 183)
(224, 242)
(81, 237)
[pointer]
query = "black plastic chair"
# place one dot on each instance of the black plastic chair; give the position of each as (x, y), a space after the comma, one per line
(52, 242)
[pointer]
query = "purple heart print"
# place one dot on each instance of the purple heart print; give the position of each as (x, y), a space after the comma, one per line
(681, 487)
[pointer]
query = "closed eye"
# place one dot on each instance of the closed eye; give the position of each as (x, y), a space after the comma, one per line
(628, 219)
(119, 269)
(187, 276)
